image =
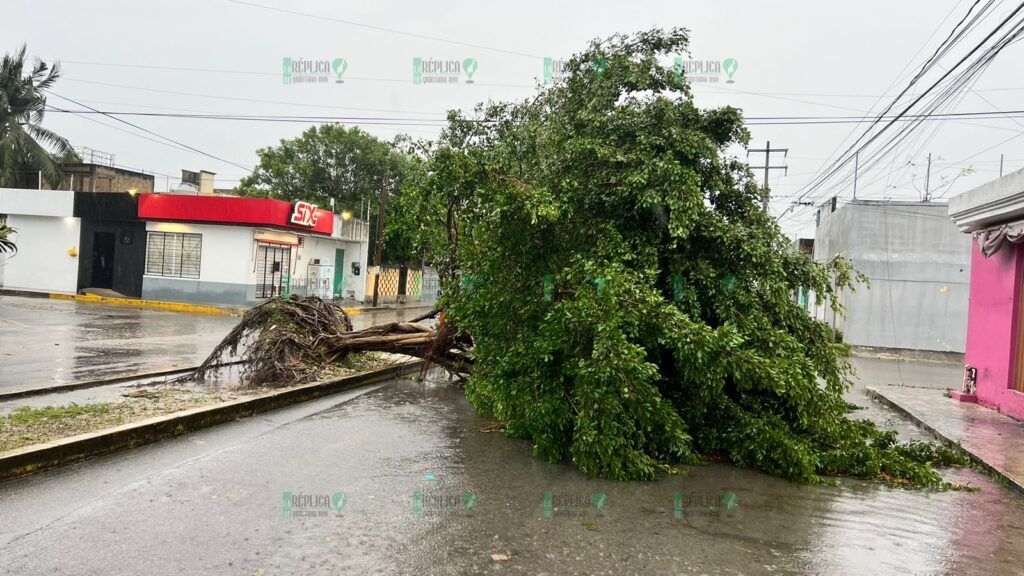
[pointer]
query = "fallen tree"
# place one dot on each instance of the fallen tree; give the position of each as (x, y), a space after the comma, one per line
(630, 303)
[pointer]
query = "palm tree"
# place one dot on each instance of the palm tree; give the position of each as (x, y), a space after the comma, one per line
(24, 143)
(6, 244)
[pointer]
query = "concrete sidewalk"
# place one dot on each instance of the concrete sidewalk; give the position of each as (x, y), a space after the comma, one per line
(917, 389)
(994, 441)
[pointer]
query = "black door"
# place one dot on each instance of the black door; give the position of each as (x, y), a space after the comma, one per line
(102, 260)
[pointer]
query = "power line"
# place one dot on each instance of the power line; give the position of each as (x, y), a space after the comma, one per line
(384, 29)
(240, 99)
(947, 93)
(751, 120)
(146, 130)
(844, 158)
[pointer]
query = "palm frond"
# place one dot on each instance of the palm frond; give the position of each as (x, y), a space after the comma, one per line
(6, 242)
(24, 142)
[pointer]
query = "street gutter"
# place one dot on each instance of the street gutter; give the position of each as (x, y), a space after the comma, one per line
(39, 457)
(26, 392)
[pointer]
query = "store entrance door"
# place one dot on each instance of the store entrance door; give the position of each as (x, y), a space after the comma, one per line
(273, 268)
(339, 273)
(102, 260)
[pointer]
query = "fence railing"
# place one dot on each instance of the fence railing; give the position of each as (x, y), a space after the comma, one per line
(417, 286)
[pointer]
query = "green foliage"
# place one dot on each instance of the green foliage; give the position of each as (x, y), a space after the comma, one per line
(25, 146)
(6, 243)
(332, 162)
(630, 302)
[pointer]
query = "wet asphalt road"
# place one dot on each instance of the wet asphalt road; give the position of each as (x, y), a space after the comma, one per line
(47, 342)
(402, 457)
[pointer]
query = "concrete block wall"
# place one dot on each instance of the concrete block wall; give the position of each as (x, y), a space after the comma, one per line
(918, 268)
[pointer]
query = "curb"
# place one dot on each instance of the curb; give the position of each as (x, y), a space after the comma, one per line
(26, 392)
(176, 306)
(1009, 481)
(37, 458)
(157, 304)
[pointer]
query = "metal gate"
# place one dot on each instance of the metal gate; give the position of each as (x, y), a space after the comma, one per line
(273, 268)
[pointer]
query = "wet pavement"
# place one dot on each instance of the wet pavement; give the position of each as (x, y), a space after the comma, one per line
(402, 479)
(47, 342)
(993, 438)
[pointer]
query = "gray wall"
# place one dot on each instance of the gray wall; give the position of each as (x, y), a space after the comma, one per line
(918, 266)
(197, 292)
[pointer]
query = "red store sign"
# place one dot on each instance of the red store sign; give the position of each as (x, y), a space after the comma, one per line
(238, 211)
(303, 214)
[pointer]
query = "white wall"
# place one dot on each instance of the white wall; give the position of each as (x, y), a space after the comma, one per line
(30, 202)
(42, 263)
(228, 253)
(323, 248)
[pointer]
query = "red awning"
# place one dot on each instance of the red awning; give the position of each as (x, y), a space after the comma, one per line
(235, 211)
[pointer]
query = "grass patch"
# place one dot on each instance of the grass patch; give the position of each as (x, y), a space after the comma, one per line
(28, 416)
(27, 425)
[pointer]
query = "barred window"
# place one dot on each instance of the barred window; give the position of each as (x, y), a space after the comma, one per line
(173, 254)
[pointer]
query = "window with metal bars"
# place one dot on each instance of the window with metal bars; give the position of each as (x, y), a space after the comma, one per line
(173, 254)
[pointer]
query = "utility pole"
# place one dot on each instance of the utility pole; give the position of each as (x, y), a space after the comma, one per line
(379, 249)
(927, 176)
(1000, 165)
(767, 166)
(856, 169)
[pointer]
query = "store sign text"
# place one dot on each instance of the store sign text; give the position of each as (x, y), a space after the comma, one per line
(303, 214)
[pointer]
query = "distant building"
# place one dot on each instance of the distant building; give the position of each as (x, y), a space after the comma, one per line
(918, 267)
(181, 247)
(85, 177)
(992, 219)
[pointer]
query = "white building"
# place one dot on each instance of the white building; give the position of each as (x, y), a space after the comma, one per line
(188, 248)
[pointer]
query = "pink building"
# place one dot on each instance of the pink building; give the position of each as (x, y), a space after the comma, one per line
(994, 215)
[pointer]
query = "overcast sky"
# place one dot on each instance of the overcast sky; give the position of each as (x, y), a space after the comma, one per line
(795, 58)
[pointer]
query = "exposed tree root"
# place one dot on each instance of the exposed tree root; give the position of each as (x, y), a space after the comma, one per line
(289, 340)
